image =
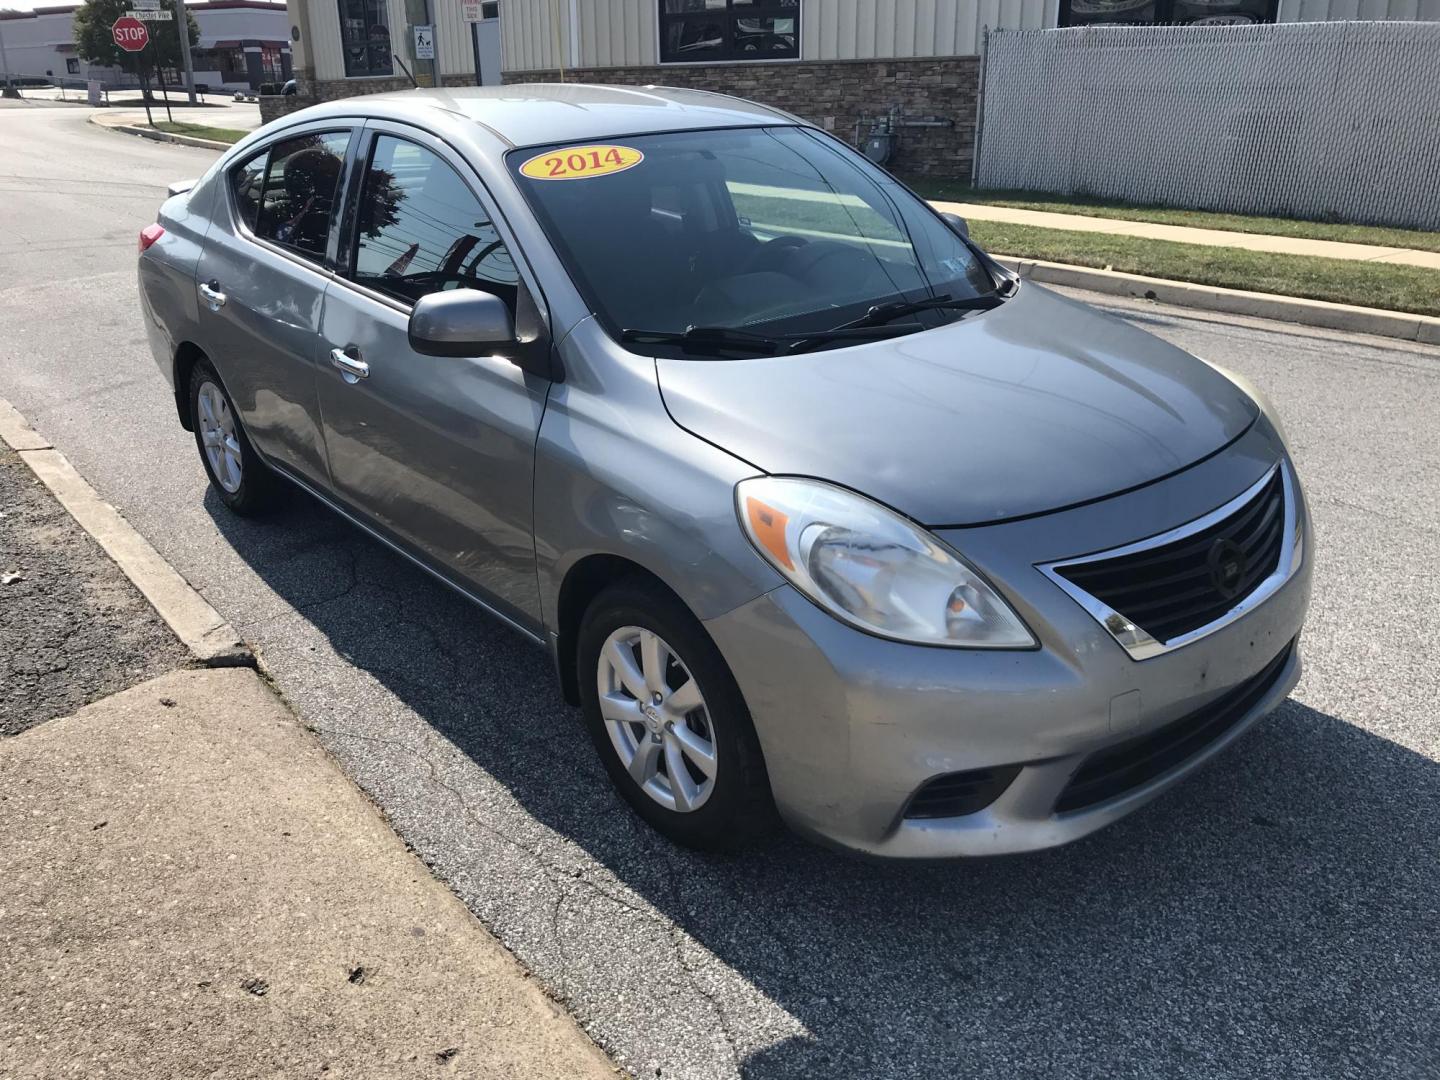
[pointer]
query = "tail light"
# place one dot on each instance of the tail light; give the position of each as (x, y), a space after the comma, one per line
(149, 235)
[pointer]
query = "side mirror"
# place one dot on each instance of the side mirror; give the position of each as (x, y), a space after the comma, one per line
(956, 222)
(461, 322)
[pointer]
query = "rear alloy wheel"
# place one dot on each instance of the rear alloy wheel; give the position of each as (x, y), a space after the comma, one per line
(219, 437)
(244, 483)
(668, 719)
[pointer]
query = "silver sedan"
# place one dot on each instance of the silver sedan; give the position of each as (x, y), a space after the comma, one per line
(818, 510)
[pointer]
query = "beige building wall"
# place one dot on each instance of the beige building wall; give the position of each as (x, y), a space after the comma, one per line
(862, 29)
(453, 51)
(622, 33)
(1322, 10)
(324, 44)
(535, 34)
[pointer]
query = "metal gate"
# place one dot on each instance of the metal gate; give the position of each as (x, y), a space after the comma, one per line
(1329, 120)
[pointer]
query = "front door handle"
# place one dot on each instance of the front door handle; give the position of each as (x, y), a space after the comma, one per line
(352, 368)
(212, 294)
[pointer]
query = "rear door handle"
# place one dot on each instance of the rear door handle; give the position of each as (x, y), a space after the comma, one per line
(213, 296)
(352, 368)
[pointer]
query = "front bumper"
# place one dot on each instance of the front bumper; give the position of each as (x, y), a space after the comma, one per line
(853, 725)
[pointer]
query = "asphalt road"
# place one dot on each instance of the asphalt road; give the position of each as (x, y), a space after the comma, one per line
(1277, 916)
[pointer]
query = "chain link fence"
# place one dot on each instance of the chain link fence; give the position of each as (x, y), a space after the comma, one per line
(1329, 120)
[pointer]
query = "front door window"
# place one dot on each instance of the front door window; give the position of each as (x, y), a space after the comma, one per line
(422, 230)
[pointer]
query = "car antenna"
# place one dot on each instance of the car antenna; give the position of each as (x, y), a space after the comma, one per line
(405, 69)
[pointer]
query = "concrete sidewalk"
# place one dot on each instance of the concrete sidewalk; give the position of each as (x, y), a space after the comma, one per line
(1279, 245)
(237, 115)
(190, 887)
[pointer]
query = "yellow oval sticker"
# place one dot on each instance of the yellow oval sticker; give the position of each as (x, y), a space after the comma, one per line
(581, 162)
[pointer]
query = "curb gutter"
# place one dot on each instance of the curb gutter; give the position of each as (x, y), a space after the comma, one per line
(1424, 329)
(199, 627)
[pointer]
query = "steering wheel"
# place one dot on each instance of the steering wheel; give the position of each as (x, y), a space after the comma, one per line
(831, 264)
(770, 254)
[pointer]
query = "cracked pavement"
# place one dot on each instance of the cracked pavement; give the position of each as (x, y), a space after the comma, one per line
(1276, 916)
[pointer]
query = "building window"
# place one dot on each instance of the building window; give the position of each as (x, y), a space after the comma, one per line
(271, 69)
(490, 10)
(72, 66)
(1167, 12)
(693, 31)
(365, 37)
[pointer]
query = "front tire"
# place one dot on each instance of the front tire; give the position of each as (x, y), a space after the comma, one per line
(244, 483)
(668, 720)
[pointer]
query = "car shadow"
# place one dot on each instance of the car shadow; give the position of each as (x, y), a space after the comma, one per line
(1274, 915)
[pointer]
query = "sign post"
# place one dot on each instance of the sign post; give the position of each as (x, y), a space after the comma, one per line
(471, 13)
(132, 36)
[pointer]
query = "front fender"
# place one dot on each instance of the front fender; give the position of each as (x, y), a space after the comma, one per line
(614, 475)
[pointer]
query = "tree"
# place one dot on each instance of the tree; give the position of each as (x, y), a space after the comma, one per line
(95, 43)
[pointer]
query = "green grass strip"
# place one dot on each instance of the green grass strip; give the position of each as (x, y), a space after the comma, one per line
(1343, 281)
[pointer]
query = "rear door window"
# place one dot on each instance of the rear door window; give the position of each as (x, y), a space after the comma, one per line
(248, 184)
(299, 191)
(421, 229)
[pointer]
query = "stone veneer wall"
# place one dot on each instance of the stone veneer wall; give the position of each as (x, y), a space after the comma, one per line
(834, 95)
(310, 91)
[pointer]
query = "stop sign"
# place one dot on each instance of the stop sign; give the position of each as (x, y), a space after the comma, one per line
(130, 34)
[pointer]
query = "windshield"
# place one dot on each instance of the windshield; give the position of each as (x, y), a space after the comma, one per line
(768, 231)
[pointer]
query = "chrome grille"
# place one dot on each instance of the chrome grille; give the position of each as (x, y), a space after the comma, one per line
(1169, 590)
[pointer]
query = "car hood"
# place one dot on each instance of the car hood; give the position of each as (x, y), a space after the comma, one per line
(1038, 404)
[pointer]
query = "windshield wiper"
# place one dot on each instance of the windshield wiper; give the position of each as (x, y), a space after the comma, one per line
(884, 313)
(706, 339)
(713, 339)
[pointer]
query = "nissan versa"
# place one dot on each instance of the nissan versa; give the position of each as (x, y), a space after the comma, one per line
(815, 506)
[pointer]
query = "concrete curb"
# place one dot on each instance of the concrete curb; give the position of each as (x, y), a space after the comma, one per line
(161, 136)
(199, 627)
(1424, 329)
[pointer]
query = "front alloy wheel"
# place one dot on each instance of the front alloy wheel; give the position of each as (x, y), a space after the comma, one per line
(656, 718)
(668, 720)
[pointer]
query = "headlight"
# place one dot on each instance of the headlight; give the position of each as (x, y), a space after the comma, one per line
(872, 568)
(1255, 394)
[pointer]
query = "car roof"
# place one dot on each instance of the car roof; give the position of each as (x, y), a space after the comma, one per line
(533, 114)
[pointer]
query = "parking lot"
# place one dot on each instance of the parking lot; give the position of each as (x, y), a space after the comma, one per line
(1276, 916)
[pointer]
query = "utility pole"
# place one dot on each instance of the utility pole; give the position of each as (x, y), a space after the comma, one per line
(10, 90)
(182, 21)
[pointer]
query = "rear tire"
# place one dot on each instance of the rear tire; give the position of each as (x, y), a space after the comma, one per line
(683, 717)
(244, 483)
